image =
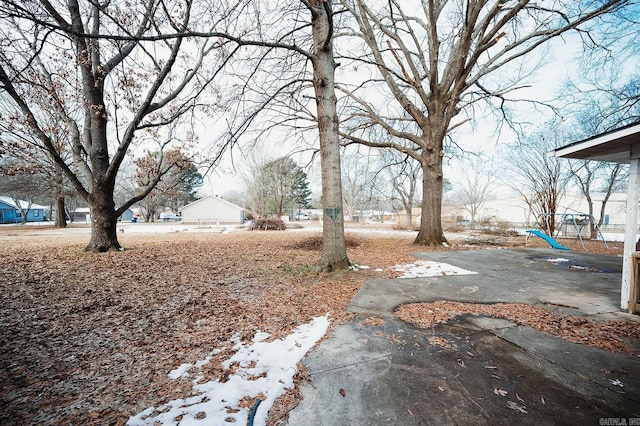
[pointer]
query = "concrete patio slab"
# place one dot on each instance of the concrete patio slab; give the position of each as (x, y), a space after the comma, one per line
(476, 370)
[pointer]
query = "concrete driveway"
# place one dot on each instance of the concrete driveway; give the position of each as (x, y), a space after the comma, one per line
(476, 370)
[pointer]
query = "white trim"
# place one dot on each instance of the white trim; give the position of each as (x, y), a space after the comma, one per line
(630, 231)
(599, 140)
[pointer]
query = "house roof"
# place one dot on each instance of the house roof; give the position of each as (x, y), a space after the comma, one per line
(615, 146)
(9, 201)
(214, 198)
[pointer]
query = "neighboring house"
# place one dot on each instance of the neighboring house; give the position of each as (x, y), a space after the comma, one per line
(127, 215)
(212, 210)
(83, 215)
(416, 212)
(10, 211)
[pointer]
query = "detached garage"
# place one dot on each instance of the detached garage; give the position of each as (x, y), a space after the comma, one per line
(212, 210)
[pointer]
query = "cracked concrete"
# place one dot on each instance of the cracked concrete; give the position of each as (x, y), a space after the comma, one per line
(475, 369)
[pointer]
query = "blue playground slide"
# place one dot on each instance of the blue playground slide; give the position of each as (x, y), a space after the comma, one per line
(553, 243)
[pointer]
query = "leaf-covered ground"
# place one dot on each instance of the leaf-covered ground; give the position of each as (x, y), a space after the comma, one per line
(89, 338)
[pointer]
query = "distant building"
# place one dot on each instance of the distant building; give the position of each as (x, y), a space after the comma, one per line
(127, 215)
(83, 215)
(10, 211)
(212, 210)
(515, 211)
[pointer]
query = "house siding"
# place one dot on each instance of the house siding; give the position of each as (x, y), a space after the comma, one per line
(9, 212)
(212, 210)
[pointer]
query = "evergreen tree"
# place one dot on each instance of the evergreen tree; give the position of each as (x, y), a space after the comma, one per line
(300, 192)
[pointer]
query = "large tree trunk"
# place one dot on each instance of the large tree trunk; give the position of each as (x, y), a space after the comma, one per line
(334, 249)
(430, 232)
(103, 221)
(61, 214)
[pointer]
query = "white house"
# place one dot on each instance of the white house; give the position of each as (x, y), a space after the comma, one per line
(514, 210)
(212, 210)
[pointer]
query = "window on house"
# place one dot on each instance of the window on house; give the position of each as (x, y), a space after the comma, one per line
(18, 213)
(36, 213)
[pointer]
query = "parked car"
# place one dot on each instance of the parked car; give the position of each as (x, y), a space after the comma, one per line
(167, 217)
(301, 216)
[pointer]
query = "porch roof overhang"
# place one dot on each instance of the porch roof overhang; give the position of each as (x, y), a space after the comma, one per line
(620, 145)
(616, 146)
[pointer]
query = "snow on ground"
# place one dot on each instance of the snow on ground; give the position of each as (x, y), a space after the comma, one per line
(558, 260)
(427, 268)
(265, 368)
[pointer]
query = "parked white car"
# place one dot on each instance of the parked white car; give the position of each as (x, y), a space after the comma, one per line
(167, 217)
(301, 216)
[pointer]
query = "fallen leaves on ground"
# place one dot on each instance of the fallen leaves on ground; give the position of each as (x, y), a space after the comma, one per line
(609, 335)
(90, 338)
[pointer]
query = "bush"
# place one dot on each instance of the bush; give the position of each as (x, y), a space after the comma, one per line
(269, 224)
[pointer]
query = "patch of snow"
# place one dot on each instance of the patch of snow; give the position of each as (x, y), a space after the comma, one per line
(427, 268)
(180, 371)
(356, 266)
(558, 260)
(263, 367)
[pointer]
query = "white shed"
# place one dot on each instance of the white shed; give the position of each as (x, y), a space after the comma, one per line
(212, 210)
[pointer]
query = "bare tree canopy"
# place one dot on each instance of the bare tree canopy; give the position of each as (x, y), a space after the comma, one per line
(604, 93)
(538, 178)
(477, 178)
(116, 77)
(435, 64)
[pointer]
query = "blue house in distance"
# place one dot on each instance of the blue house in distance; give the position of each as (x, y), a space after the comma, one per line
(10, 211)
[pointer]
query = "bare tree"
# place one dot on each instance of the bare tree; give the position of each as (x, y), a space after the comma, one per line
(439, 59)
(596, 176)
(604, 93)
(358, 180)
(591, 176)
(477, 178)
(117, 75)
(404, 174)
(256, 187)
(538, 178)
(280, 84)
